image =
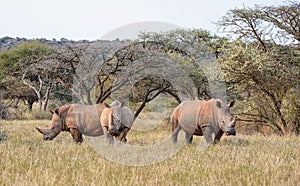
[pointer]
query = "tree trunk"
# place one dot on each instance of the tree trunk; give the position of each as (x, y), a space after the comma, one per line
(30, 104)
(175, 96)
(47, 96)
(102, 98)
(37, 92)
(40, 101)
(139, 110)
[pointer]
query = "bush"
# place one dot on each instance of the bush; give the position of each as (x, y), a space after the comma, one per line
(3, 136)
(3, 113)
(41, 115)
(24, 114)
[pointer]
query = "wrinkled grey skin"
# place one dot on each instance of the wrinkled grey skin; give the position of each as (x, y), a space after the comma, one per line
(203, 118)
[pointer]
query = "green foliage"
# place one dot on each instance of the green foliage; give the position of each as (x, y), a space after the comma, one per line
(264, 73)
(16, 60)
(263, 79)
(14, 88)
(14, 63)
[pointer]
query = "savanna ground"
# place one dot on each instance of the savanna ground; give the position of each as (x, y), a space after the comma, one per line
(26, 159)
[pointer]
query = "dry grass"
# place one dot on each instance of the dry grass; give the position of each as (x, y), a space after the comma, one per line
(26, 159)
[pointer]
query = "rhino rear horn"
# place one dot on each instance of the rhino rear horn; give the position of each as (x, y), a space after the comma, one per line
(233, 121)
(42, 131)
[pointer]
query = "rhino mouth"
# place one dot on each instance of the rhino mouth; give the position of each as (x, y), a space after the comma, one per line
(48, 138)
(48, 134)
(230, 132)
(114, 132)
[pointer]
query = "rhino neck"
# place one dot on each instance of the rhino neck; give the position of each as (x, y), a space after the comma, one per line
(216, 119)
(64, 127)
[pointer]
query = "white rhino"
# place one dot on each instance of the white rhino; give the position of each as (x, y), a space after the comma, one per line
(116, 121)
(76, 119)
(203, 118)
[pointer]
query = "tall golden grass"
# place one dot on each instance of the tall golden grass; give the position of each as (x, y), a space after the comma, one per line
(26, 159)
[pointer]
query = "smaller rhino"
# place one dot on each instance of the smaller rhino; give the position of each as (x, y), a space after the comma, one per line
(116, 121)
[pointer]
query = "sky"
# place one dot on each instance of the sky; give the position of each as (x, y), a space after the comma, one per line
(98, 19)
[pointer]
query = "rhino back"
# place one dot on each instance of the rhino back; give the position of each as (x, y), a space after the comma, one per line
(209, 114)
(205, 113)
(193, 115)
(188, 115)
(86, 118)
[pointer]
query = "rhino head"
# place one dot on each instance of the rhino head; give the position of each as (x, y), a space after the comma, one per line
(115, 125)
(227, 122)
(53, 128)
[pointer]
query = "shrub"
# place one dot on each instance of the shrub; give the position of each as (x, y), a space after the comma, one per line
(3, 136)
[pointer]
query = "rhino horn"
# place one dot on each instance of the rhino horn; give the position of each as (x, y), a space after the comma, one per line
(42, 131)
(233, 121)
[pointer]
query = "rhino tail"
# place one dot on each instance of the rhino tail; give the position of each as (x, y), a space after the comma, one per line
(173, 121)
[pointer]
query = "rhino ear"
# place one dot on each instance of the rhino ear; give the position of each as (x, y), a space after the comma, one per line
(219, 104)
(107, 105)
(51, 111)
(231, 104)
(56, 112)
(115, 103)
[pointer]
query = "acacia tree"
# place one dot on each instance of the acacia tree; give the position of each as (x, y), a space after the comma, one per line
(264, 71)
(285, 17)
(95, 71)
(262, 81)
(196, 52)
(150, 59)
(102, 70)
(173, 63)
(77, 68)
(17, 63)
(128, 71)
(265, 25)
(64, 62)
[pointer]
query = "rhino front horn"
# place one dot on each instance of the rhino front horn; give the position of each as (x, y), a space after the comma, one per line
(42, 131)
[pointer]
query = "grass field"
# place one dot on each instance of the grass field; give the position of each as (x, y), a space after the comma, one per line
(26, 159)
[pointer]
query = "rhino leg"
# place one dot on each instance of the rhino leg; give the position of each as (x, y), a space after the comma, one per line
(76, 134)
(188, 138)
(122, 135)
(207, 133)
(175, 134)
(109, 138)
(218, 136)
